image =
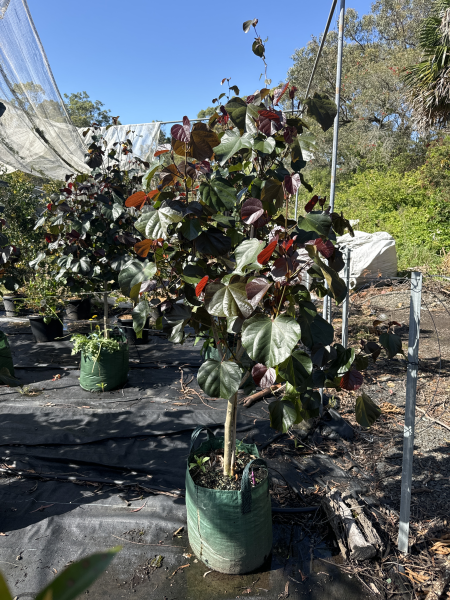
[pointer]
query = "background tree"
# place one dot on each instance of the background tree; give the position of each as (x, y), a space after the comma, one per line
(83, 111)
(428, 81)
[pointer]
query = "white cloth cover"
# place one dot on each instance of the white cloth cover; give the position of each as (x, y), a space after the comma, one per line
(36, 134)
(373, 256)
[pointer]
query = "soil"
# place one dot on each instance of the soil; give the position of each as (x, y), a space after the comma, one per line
(212, 476)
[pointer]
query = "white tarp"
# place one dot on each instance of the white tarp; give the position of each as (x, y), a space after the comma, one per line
(373, 256)
(36, 134)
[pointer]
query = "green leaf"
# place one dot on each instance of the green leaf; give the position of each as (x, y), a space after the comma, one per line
(78, 576)
(322, 109)
(366, 411)
(335, 283)
(297, 162)
(191, 228)
(34, 264)
(133, 274)
(361, 362)
(140, 313)
(283, 414)
(213, 242)
(154, 223)
(4, 591)
(192, 273)
(321, 331)
(317, 222)
(219, 379)
(392, 343)
(219, 194)
(311, 400)
(148, 176)
(246, 254)
(296, 369)
(227, 300)
(265, 146)
(231, 143)
(270, 342)
(240, 112)
(81, 266)
(343, 362)
(272, 190)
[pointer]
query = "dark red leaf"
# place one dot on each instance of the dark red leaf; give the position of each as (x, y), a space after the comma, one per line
(251, 210)
(322, 201)
(325, 248)
(138, 199)
(289, 134)
(278, 93)
(151, 195)
(263, 376)
(352, 380)
(162, 149)
(265, 255)
(292, 183)
(201, 285)
(182, 133)
(287, 245)
(66, 191)
(269, 114)
(311, 204)
(125, 238)
(391, 323)
(372, 348)
(49, 206)
(257, 289)
(292, 92)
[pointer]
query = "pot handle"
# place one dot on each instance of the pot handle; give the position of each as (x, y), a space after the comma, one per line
(197, 431)
(246, 486)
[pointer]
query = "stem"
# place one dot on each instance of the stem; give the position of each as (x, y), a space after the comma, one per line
(230, 437)
(216, 337)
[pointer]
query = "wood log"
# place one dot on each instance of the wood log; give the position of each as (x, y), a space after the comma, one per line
(360, 548)
(365, 524)
(332, 513)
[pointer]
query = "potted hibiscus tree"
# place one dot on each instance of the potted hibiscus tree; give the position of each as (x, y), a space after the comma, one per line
(218, 224)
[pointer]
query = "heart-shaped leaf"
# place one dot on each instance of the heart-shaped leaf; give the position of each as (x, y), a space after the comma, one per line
(219, 379)
(366, 411)
(292, 183)
(154, 223)
(201, 145)
(257, 289)
(270, 342)
(352, 380)
(322, 109)
(227, 300)
(213, 242)
(246, 254)
(133, 274)
(251, 212)
(392, 343)
(137, 200)
(264, 146)
(140, 313)
(263, 376)
(296, 369)
(283, 414)
(182, 133)
(317, 222)
(326, 249)
(231, 143)
(219, 194)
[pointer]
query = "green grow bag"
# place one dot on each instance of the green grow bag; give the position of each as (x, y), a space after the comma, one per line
(108, 372)
(6, 361)
(229, 530)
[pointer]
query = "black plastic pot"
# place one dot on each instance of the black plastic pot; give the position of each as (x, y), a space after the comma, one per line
(46, 332)
(127, 326)
(78, 309)
(11, 307)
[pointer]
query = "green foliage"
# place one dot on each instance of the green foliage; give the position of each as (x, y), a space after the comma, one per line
(93, 343)
(74, 580)
(199, 463)
(44, 293)
(83, 111)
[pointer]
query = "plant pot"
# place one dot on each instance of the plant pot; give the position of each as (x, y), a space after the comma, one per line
(11, 307)
(127, 326)
(6, 361)
(46, 332)
(229, 530)
(108, 372)
(78, 309)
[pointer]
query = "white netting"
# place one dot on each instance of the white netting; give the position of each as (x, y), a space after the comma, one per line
(36, 134)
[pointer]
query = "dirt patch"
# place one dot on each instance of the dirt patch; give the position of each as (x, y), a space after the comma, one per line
(207, 471)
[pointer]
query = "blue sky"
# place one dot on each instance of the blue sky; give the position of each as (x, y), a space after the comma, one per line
(150, 60)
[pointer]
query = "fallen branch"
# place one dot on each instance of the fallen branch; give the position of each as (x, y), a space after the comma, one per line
(434, 420)
(262, 394)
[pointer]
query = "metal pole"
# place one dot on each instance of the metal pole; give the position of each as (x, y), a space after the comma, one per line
(410, 409)
(296, 205)
(346, 303)
(337, 100)
(105, 311)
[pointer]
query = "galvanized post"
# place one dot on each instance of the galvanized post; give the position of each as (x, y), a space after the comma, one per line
(346, 303)
(105, 311)
(410, 409)
(296, 205)
(337, 100)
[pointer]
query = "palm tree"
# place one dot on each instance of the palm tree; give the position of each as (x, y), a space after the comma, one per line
(428, 81)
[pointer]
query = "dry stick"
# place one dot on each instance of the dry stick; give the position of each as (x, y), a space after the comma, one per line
(262, 394)
(434, 420)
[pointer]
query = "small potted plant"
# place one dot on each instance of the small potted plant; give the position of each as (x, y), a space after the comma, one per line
(104, 359)
(43, 298)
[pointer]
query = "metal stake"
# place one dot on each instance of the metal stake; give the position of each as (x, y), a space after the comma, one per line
(410, 409)
(296, 205)
(346, 303)
(105, 311)
(337, 100)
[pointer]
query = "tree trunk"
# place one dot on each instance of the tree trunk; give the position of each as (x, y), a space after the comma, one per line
(230, 437)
